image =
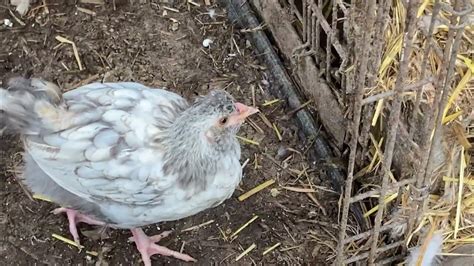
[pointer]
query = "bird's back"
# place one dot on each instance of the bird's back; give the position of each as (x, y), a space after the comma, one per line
(95, 144)
(97, 150)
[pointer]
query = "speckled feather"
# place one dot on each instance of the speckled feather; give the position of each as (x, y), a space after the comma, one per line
(122, 152)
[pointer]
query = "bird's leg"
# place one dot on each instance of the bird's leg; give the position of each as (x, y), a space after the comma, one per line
(147, 247)
(74, 217)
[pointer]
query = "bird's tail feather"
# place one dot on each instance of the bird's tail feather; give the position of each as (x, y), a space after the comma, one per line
(29, 106)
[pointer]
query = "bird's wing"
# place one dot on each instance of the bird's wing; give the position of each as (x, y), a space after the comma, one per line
(105, 153)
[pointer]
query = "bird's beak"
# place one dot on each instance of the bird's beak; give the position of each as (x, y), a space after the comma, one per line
(243, 111)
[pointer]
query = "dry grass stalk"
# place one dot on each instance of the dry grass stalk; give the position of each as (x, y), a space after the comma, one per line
(235, 234)
(249, 141)
(86, 11)
(192, 228)
(171, 9)
(270, 249)
(250, 248)
(94, 2)
(41, 197)
(74, 48)
(256, 189)
(72, 243)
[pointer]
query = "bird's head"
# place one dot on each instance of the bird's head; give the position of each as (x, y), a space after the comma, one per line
(219, 115)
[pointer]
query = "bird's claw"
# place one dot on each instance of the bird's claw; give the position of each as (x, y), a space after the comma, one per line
(147, 247)
(74, 217)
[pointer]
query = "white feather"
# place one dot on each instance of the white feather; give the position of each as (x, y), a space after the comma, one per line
(434, 247)
(21, 5)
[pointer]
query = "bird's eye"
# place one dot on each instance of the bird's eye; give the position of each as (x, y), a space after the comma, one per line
(223, 120)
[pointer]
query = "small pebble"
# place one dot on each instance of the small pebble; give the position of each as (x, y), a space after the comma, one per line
(207, 42)
(8, 23)
(212, 13)
(274, 192)
(282, 153)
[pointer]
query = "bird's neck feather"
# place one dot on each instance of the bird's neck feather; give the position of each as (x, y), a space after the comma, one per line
(188, 154)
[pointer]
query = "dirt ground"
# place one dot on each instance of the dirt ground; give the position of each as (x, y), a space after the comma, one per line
(164, 47)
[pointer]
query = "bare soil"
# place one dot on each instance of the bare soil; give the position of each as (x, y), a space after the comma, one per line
(149, 44)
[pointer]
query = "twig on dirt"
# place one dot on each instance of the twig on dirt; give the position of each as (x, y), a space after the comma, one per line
(74, 48)
(290, 248)
(86, 11)
(234, 235)
(135, 57)
(256, 189)
(277, 132)
(316, 201)
(41, 197)
(246, 252)
(193, 3)
(72, 243)
(288, 232)
(255, 126)
(258, 28)
(265, 120)
(248, 140)
(16, 18)
(171, 9)
(253, 95)
(236, 46)
(292, 112)
(255, 162)
(299, 189)
(245, 163)
(197, 226)
(270, 249)
(268, 103)
(95, 2)
(182, 247)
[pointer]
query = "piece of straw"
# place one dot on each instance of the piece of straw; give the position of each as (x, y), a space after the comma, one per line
(452, 179)
(378, 109)
(256, 189)
(72, 243)
(300, 189)
(460, 193)
(267, 103)
(277, 131)
(248, 141)
(197, 226)
(74, 48)
(387, 200)
(243, 226)
(246, 252)
(270, 249)
(171, 9)
(41, 197)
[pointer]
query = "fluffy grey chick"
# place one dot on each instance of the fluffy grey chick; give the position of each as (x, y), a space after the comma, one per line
(126, 155)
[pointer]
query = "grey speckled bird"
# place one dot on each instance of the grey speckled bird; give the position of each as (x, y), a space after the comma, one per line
(126, 155)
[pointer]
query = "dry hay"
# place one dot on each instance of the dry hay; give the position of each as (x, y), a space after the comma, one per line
(450, 206)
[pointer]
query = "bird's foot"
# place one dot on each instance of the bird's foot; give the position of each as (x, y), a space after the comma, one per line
(147, 247)
(74, 217)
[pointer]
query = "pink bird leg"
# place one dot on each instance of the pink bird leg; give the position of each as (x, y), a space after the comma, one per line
(74, 217)
(147, 247)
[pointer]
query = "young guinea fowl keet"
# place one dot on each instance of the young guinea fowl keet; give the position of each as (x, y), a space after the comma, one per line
(125, 155)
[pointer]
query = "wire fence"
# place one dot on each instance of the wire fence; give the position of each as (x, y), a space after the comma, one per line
(365, 65)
